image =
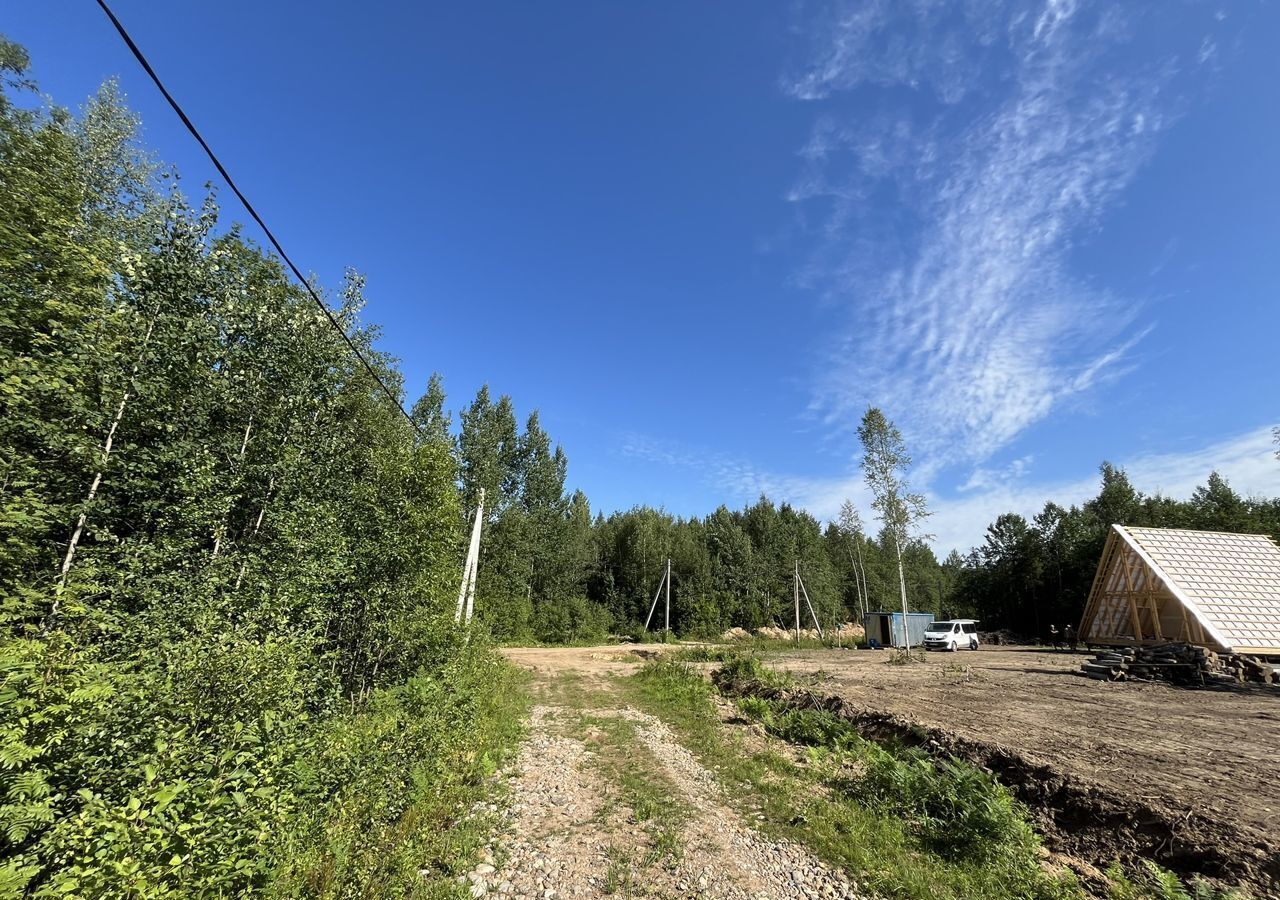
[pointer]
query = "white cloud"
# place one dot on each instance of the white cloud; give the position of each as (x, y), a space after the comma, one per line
(1247, 461)
(965, 321)
(984, 478)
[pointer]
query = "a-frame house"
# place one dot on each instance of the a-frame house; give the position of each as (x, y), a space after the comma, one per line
(1154, 585)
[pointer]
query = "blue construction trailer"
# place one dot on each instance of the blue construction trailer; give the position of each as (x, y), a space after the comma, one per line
(886, 628)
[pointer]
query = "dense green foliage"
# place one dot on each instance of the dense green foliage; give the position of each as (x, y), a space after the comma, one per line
(1028, 575)
(550, 571)
(227, 658)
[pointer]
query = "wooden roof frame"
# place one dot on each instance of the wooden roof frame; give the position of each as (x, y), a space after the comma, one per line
(1131, 584)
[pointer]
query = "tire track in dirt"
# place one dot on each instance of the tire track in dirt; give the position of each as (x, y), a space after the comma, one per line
(569, 834)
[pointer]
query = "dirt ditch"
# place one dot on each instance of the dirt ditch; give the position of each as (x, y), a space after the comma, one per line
(1078, 818)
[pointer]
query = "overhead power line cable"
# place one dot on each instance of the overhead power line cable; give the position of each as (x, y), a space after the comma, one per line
(244, 201)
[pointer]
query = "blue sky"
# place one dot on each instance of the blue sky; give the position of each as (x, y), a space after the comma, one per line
(702, 238)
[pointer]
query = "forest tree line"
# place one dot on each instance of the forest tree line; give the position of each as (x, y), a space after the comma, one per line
(228, 564)
(228, 663)
(552, 570)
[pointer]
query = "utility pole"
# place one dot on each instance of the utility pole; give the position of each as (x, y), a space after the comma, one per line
(467, 592)
(668, 629)
(663, 581)
(807, 602)
(796, 588)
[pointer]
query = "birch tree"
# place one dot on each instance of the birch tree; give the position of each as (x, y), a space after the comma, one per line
(850, 526)
(885, 462)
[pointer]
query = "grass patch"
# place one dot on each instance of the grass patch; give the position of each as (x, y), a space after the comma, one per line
(893, 824)
(703, 653)
(619, 878)
(1154, 883)
(401, 778)
(651, 797)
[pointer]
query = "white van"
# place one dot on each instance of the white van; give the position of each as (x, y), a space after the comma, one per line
(952, 635)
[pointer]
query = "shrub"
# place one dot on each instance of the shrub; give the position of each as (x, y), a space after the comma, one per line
(957, 810)
(1151, 882)
(678, 683)
(745, 671)
(756, 708)
(386, 788)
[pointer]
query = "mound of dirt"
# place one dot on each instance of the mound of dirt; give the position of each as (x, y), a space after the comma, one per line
(1078, 818)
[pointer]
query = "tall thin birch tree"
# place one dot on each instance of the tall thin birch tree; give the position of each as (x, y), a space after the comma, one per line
(884, 465)
(850, 526)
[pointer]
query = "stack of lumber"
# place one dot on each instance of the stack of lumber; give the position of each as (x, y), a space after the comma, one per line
(1177, 663)
(1247, 668)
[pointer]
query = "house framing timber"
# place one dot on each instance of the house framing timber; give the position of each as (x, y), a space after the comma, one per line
(1156, 585)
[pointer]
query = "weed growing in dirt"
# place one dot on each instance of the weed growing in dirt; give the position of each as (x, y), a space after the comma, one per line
(902, 658)
(958, 811)
(749, 670)
(887, 849)
(676, 682)
(953, 673)
(755, 708)
(645, 790)
(704, 653)
(618, 877)
(1152, 882)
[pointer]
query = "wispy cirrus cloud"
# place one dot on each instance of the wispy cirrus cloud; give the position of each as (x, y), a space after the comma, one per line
(1247, 460)
(958, 154)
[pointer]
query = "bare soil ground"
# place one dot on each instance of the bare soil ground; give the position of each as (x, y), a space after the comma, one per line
(606, 801)
(1191, 777)
(1206, 763)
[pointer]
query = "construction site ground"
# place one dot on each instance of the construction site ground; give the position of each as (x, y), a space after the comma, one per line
(1215, 752)
(1192, 755)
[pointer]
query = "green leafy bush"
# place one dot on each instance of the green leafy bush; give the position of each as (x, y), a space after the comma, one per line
(1151, 882)
(228, 665)
(746, 670)
(756, 708)
(958, 810)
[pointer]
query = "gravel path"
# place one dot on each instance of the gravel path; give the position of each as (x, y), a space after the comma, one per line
(569, 832)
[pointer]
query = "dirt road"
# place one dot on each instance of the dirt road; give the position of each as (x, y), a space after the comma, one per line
(1195, 773)
(605, 801)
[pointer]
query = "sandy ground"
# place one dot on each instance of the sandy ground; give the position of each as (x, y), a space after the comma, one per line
(571, 833)
(1212, 753)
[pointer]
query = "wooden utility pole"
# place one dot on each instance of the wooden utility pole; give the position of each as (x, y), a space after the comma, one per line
(795, 585)
(666, 577)
(808, 602)
(467, 592)
(668, 628)
(862, 574)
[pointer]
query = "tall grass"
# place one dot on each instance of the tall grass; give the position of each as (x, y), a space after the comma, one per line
(921, 844)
